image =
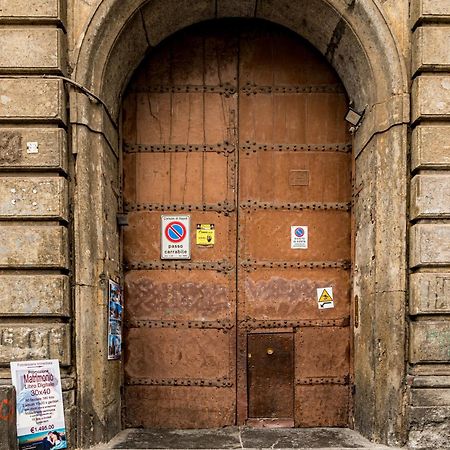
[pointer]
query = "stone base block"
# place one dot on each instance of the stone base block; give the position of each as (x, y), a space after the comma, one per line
(430, 196)
(429, 427)
(429, 245)
(430, 293)
(429, 342)
(430, 147)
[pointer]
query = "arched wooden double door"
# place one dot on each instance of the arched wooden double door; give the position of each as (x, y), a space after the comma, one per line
(239, 125)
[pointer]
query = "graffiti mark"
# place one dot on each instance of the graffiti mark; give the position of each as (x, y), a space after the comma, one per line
(6, 410)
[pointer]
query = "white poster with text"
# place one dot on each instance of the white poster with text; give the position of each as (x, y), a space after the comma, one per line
(39, 403)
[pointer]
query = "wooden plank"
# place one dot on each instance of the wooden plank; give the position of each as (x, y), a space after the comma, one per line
(178, 407)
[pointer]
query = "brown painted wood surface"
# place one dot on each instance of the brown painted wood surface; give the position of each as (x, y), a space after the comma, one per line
(270, 375)
(241, 126)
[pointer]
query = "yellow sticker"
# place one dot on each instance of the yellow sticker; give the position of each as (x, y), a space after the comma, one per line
(325, 298)
(206, 235)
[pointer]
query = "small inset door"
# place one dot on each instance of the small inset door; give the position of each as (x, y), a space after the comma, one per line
(271, 375)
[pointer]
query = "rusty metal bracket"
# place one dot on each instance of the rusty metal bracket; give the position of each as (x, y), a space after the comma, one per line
(253, 89)
(217, 382)
(254, 205)
(253, 324)
(253, 147)
(322, 380)
(224, 89)
(122, 219)
(221, 148)
(249, 264)
(221, 207)
(223, 325)
(219, 266)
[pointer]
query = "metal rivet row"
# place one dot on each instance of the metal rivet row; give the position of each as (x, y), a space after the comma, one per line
(219, 266)
(255, 205)
(218, 382)
(251, 324)
(248, 89)
(322, 380)
(194, 324)
(224, 148)
(222, 207)
(224, 89)
(253, 147)
(253, 89)
(249, 264)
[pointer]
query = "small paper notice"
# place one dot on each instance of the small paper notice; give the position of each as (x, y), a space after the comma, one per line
(206, 234)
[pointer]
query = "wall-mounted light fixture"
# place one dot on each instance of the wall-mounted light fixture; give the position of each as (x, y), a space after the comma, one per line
(353, 117)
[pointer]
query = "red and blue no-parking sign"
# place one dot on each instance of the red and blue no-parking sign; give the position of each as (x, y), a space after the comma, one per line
(299, 237)
(175, 231)
(175, 237)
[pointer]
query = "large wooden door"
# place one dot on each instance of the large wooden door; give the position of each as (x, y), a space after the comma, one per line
(239, 124)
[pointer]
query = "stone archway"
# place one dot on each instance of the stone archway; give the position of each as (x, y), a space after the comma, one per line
(356, 40)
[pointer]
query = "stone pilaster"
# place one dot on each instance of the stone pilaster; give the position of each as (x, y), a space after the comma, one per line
(34, 190)
(429, 307)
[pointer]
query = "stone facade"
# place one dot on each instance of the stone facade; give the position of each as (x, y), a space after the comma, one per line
(35, 294)
(429, 259)
(60, 192)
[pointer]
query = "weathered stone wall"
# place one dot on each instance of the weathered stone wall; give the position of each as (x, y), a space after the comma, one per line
(35, 302)
(55, 204)
(429, 304)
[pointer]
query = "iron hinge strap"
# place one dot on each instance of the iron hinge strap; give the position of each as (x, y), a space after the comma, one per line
(254, 264)
(253, 324)
(223, 147)
(217, 382)
(309, 381)
(221, 207)
(219, 266)
(253, 147)
(195, 324)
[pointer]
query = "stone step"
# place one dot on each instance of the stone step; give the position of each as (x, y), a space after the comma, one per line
(240, 438)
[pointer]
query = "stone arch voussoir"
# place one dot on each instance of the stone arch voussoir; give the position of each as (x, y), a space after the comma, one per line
(352, 35)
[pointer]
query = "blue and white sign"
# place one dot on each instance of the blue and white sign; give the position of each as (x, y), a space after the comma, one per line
(175, 237)
(299, 237)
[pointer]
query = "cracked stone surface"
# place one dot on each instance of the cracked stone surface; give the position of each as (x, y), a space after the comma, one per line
(240, 438)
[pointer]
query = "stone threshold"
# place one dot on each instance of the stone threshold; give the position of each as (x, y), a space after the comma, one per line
(240, 438)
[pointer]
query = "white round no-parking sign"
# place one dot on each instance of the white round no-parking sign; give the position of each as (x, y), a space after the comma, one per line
(299, 236)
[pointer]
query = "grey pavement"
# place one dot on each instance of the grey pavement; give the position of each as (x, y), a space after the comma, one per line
(241, 438)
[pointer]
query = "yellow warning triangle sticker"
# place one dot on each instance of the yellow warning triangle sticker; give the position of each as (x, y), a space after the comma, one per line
(325, 297)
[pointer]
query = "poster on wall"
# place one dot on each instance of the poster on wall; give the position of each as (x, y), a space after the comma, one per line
(115, 314)
(39, 404)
